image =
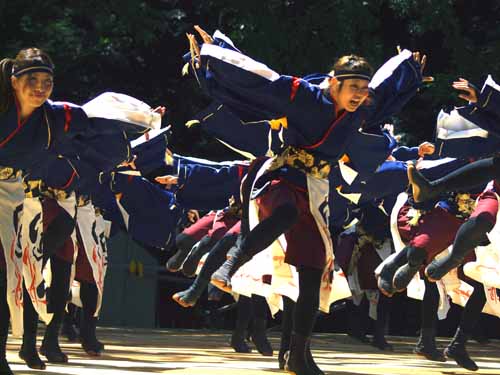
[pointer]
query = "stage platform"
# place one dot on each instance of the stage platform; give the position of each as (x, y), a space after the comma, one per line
(138, 351)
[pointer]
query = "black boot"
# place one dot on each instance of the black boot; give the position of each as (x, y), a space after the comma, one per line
(259, 337)
(184, 245)
(238, 342)
(379, 340)
(458, 351)
(189, 297)
(68, 328)
(426, 346)
(422, 189)
(310, 360)
(193, 259)
(286, 330)
(222, 277)
(296, 361)
(29, 354)
(4, 365)
(90, 344)
(284, 349)
(416, 257)
(50, 345)
(386, 274)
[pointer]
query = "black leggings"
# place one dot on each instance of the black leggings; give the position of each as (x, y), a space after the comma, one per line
(473, 308)
(308, 300)
(471, 234)
(89, 295)
(56, 233)
(217, 256)
(474, 174)
(4, 313)
(429, 306)
(269, 229)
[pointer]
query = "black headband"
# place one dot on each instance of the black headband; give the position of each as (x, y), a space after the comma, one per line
(345, 74)
(32, 66)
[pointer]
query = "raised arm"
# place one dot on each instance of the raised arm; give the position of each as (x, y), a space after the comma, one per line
(394, 84)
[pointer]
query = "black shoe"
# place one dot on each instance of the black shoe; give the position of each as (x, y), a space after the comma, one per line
(460, 355)
(32, 359)
(403, 276)
(193, 259)
(175, 262)
(359, 337)
(189, 297)
(4, 367)
(386, 274)
(53, 352)
(93, 348)
(458, 351)
(439, 267)
(426, 346)
(259, 338)
(239, 344)
(70, 331)
(222, 277)
(310, 360)
(422, 189)
(382, 344)
(296, 361)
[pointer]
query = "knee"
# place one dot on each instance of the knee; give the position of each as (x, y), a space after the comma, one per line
(484, 222)
(416, 255)
(289, 213)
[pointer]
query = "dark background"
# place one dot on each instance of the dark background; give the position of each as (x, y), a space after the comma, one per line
(135, 47)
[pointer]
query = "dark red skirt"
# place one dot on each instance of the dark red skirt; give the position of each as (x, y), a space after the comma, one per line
(200, 229)
(435, 231)
(83, 268)
(305, 247)
(50, 211)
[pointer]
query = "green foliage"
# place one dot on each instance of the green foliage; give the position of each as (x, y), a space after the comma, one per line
(135, 46)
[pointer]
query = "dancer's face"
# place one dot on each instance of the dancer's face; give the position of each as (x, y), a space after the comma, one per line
(32, 89)
(350, 94)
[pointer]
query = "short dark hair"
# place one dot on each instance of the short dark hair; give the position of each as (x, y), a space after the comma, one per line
(27, 57)
(350, 66)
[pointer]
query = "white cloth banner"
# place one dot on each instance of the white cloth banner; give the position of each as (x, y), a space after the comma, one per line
(11, 202)
(92, 229)
(121, 107)
(31, 235)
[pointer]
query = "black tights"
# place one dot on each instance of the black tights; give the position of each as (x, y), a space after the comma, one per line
(56, 233)
(269, 229)
(30, 323)
(471, 234)
(473, 308)
(308, 300)
(4, 313)
(217, 256)
(474, 174)
(429, 306)
(58, 294)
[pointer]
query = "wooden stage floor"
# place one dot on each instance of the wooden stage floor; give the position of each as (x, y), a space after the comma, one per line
(141, 351)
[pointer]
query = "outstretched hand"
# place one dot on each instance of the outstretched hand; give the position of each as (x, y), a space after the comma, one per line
(426, 148)
(161, 110)
(194, 47)
(468, 91)
(204, 35)
(421, 60)
(167, 180)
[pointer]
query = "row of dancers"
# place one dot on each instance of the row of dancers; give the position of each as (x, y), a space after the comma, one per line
(320, 170)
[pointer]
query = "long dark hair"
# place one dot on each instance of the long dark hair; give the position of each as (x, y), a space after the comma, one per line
(28, 57)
